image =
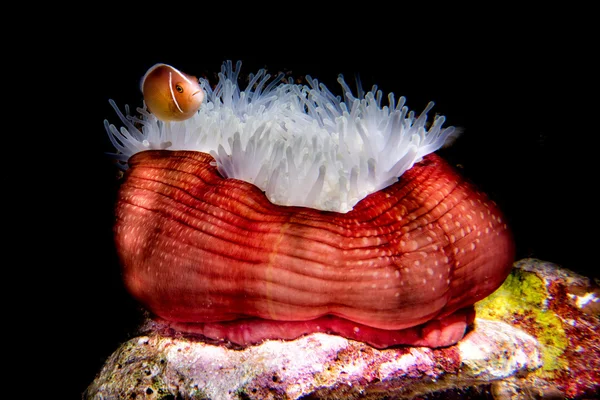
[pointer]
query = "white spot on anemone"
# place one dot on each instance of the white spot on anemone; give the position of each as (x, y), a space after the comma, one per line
(299, 143)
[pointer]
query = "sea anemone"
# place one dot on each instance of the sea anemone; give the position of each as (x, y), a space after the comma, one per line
(282, 210)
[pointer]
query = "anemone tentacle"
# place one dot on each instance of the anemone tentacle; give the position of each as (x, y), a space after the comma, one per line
(285, 137)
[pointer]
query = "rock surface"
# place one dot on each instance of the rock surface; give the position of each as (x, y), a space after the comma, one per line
(561, 309)
(323, 365)
(534, 337)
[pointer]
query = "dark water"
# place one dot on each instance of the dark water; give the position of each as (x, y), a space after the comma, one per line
(525, 143)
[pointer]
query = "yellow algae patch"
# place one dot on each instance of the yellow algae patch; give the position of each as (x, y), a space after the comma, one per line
(521, 301)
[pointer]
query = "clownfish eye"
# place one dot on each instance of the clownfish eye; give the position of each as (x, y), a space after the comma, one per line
(179, 88)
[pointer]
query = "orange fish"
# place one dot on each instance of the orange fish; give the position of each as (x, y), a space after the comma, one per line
(170, 94)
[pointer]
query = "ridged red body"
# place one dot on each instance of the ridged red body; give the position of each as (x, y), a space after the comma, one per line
(214, 256)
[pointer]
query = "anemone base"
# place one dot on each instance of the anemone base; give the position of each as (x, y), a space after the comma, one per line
(436, 333)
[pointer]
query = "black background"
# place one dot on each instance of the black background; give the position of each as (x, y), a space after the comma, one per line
(520, 95)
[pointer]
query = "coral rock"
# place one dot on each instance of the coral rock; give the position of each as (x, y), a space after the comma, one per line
(321, 365)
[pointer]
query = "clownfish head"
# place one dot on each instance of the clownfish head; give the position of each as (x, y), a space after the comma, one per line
(170, 94)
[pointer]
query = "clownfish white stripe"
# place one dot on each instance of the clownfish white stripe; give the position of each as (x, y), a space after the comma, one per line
(173, 93)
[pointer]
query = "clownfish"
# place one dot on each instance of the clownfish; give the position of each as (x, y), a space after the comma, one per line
(170, 94)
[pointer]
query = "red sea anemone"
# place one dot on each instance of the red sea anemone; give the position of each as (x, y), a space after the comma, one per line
(283, 210)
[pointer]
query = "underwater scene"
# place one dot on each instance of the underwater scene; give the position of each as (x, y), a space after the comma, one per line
(338, 227)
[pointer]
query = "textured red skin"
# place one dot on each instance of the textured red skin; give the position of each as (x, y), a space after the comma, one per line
(199, 250)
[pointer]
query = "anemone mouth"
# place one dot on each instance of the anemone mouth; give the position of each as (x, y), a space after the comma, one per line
(299, 143)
